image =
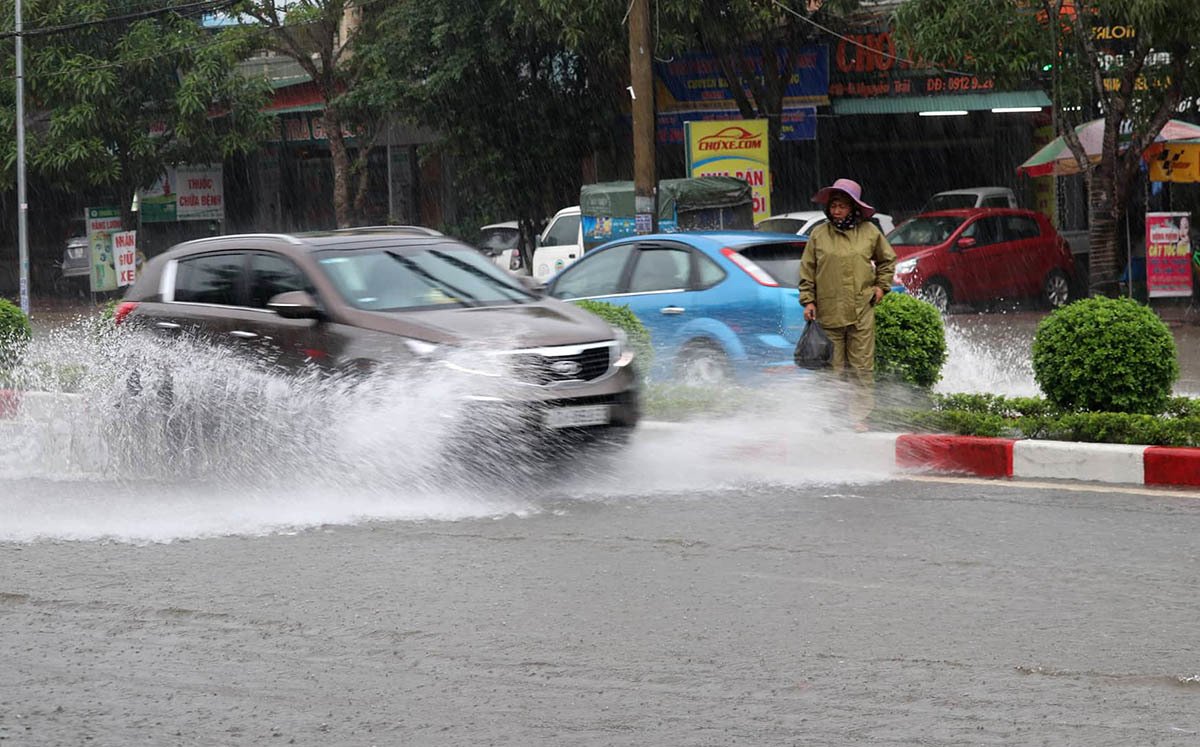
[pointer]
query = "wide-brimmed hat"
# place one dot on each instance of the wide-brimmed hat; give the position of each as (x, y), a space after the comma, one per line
(848, 187)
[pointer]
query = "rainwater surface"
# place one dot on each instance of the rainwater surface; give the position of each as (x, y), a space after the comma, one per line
(239, 451)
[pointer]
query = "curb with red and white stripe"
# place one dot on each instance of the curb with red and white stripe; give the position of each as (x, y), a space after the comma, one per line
(1035, 459)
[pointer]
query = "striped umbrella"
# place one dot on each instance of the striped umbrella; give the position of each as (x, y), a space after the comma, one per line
(1056, 159)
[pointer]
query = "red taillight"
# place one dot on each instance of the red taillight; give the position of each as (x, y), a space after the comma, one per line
(123, 310)
(746, 265)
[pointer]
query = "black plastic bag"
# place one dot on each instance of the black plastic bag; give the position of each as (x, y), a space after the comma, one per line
(815, 349)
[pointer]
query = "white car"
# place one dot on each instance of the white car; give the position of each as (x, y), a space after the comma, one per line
(560, 244)
(972, 197)
(804, 221)
(501, 243)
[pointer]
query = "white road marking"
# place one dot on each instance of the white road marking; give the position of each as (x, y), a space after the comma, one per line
(1077, 487)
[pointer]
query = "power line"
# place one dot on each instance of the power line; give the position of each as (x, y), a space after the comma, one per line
(202, 6)
(859, 44)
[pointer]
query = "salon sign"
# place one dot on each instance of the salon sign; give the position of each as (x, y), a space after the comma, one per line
(733, 147)
(1168, 254)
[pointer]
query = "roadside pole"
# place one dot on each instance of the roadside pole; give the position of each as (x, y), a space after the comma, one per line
(641, 92)
(22, 201)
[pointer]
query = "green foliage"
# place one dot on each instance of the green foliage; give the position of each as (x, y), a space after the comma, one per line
(121, 101)
(624, 319)
(910, 340)
(13, 322)
(1105, 355)
(503, 100)
(1036, 417)
(14, 332)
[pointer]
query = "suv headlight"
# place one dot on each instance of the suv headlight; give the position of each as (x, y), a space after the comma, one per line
(623, 354)
(905, 267)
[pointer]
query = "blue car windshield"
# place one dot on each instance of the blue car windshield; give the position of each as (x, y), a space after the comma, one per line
(387, 279)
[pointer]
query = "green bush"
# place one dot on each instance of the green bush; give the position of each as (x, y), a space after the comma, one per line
(624, 319)
(910, 340)
(14, 331)
(1105, 355)
(1035, 417)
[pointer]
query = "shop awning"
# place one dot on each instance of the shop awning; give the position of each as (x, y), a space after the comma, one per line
(964, 101)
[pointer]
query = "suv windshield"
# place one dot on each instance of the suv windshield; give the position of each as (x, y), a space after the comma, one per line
(925, 231)
(386, 278)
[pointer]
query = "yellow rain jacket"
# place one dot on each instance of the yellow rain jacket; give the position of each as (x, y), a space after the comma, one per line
(840, 270)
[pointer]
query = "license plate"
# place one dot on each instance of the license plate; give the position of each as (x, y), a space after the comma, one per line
(577, 417)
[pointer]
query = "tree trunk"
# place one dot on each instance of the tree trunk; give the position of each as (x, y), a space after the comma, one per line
(343, 207)
(1102, 233)
(362, 184)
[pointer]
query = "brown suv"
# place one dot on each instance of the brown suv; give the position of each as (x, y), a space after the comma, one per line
(358, 300)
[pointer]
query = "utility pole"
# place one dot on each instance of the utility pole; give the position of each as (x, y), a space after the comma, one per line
(645, 182)
(22, 202)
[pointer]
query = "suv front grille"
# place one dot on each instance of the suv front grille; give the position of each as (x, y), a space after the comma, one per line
(574, 364)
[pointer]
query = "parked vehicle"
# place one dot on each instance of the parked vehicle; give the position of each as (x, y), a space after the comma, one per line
(352, 301)
(606, 211)
(719, 305)
(972, 197)
(982, 254)
(804, 221)
(501, 242)
(77, 259)
(560, 243)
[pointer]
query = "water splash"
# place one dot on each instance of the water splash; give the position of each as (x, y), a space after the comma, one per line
(991, 356)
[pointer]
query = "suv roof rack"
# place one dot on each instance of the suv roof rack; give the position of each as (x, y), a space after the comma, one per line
(390, 229)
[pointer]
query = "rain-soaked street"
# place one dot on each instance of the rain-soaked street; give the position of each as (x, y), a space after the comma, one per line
(751, 579)
(873, 612)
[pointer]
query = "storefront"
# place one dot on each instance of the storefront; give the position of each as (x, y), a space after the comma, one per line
(907, 132)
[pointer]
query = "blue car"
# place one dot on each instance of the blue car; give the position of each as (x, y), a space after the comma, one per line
(719, 305)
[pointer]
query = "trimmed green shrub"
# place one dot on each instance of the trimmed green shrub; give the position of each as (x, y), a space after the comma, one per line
(13, 322)
(624, 319)
(1035, 417)
(910, 340)
(14, 331)
(1105, 355)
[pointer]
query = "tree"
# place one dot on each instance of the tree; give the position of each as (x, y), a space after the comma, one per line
(116, 92)
(517, 108)
(320, 35)
(1136, 84)
(754, 42)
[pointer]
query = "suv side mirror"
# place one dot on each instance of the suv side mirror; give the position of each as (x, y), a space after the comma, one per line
(965, 242)
(295, 305)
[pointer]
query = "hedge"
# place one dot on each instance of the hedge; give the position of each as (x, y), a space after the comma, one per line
(624, 319)
(910, 340)
(1105, 355)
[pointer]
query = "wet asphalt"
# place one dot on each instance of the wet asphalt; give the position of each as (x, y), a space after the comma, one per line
(688, 599)
(900, 612)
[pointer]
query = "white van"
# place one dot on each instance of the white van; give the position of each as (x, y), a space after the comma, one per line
(560, 244)
(972, 197)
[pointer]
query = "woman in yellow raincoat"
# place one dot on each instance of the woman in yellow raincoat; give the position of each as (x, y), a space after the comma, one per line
(846, 268)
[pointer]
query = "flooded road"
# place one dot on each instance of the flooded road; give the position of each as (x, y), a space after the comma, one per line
(754, 579)
(883, 612)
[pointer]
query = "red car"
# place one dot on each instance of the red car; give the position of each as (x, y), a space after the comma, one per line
(978, 255)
